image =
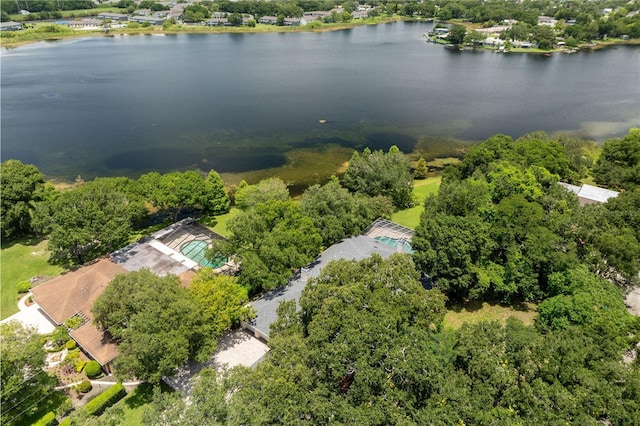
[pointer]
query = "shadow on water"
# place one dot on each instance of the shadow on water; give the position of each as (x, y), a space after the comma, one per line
(222, 160)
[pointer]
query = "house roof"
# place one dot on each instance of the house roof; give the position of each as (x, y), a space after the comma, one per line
(595, 193)
(95, 342)
(64, 296)
(354, 248)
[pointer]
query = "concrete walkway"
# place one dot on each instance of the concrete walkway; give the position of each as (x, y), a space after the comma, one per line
(31, 316)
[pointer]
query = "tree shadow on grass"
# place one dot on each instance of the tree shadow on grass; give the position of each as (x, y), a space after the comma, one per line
(476, 305)
(143, 394)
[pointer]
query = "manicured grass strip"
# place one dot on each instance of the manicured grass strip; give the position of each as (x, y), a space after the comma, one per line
(421, 189)
(21, 261)
(473, 312)
(48, 419)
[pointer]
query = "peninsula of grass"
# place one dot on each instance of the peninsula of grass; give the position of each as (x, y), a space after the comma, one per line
(21, 261)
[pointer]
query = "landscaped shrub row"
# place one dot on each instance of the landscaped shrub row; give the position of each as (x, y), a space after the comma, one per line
(71, 344)
(92, 369)
(106, 399)
(48, 419)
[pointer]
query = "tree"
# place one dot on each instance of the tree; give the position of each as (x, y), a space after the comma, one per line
(272, 239)
(88, 221)
(618, 167)
(248, 196)
(457, 34)
(235, 19)
(21, 185)
(216, 198)
(356, 352)
(421, 171)
(176, 191)
(337, 213)
(543, 36)
(223, 302)
(377, 173)
(158, 324)
(24, 382)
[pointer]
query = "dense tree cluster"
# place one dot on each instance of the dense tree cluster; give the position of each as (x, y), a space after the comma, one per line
(619, 165)
(367, 346)
(500, 226)
(160, 324)
(24, 383)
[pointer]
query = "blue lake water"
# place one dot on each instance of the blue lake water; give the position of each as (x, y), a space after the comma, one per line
(237, 102)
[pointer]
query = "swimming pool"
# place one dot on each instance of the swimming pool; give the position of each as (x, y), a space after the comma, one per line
(394, 242)
(196, 250)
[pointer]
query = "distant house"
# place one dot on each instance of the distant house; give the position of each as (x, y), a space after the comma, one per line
(588, 194)
(113, 16)
(10, 26)
(85, 23)
(360, 14)
(153, 20)
(268, 20)
(217, 22)
(291, 22)
(547, 21)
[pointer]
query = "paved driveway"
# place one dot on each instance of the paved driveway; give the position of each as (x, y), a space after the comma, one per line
(31, 316)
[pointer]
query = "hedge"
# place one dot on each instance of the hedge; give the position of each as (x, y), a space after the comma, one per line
(48, 419)
(66, 422)
(71, 344)
(106, 399)
(93, 369)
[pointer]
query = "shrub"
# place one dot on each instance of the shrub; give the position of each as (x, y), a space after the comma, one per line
(85, 386)
(48, 419)
(71, 344)
(73, 322)
(92, 369)
(66, 422)
(78, 365)
(106, 399)
(24, 287)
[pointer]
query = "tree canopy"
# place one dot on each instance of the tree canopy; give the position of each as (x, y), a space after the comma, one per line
(378, 173)
(248, 196)
(21, 186)
(24, 382)
(618, 167)
(158, 323)
(337, 213)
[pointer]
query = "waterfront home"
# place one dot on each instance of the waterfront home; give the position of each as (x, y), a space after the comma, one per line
(85, 24)
(268, 20)
(10, 26)
(113, 16)
(360, 14)
(153, 20)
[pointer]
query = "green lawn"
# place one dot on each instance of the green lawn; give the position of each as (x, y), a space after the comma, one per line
(474, 312)
(219, 223)
(421, 188)
(135, 402)
(21, 261)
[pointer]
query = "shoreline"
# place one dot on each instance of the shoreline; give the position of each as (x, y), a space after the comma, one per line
(201, 29)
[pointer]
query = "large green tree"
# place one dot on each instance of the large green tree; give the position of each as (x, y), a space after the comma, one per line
(21, 185)
(356, 353)
(158, 323)
(272, 239)
(378, 173)
(89, 220)
(248, 196)
(25, 385)
(216, 200)
(173, 192)
(337, 213)
(618, 167)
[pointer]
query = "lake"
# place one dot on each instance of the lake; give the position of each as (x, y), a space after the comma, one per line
(240, 102)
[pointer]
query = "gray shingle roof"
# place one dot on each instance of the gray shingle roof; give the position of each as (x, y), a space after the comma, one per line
(354, 248)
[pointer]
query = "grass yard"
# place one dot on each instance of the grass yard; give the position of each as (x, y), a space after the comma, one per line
(136, 401)
(474, 312)
(421, 189)
(21, 261)
(218, 224)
